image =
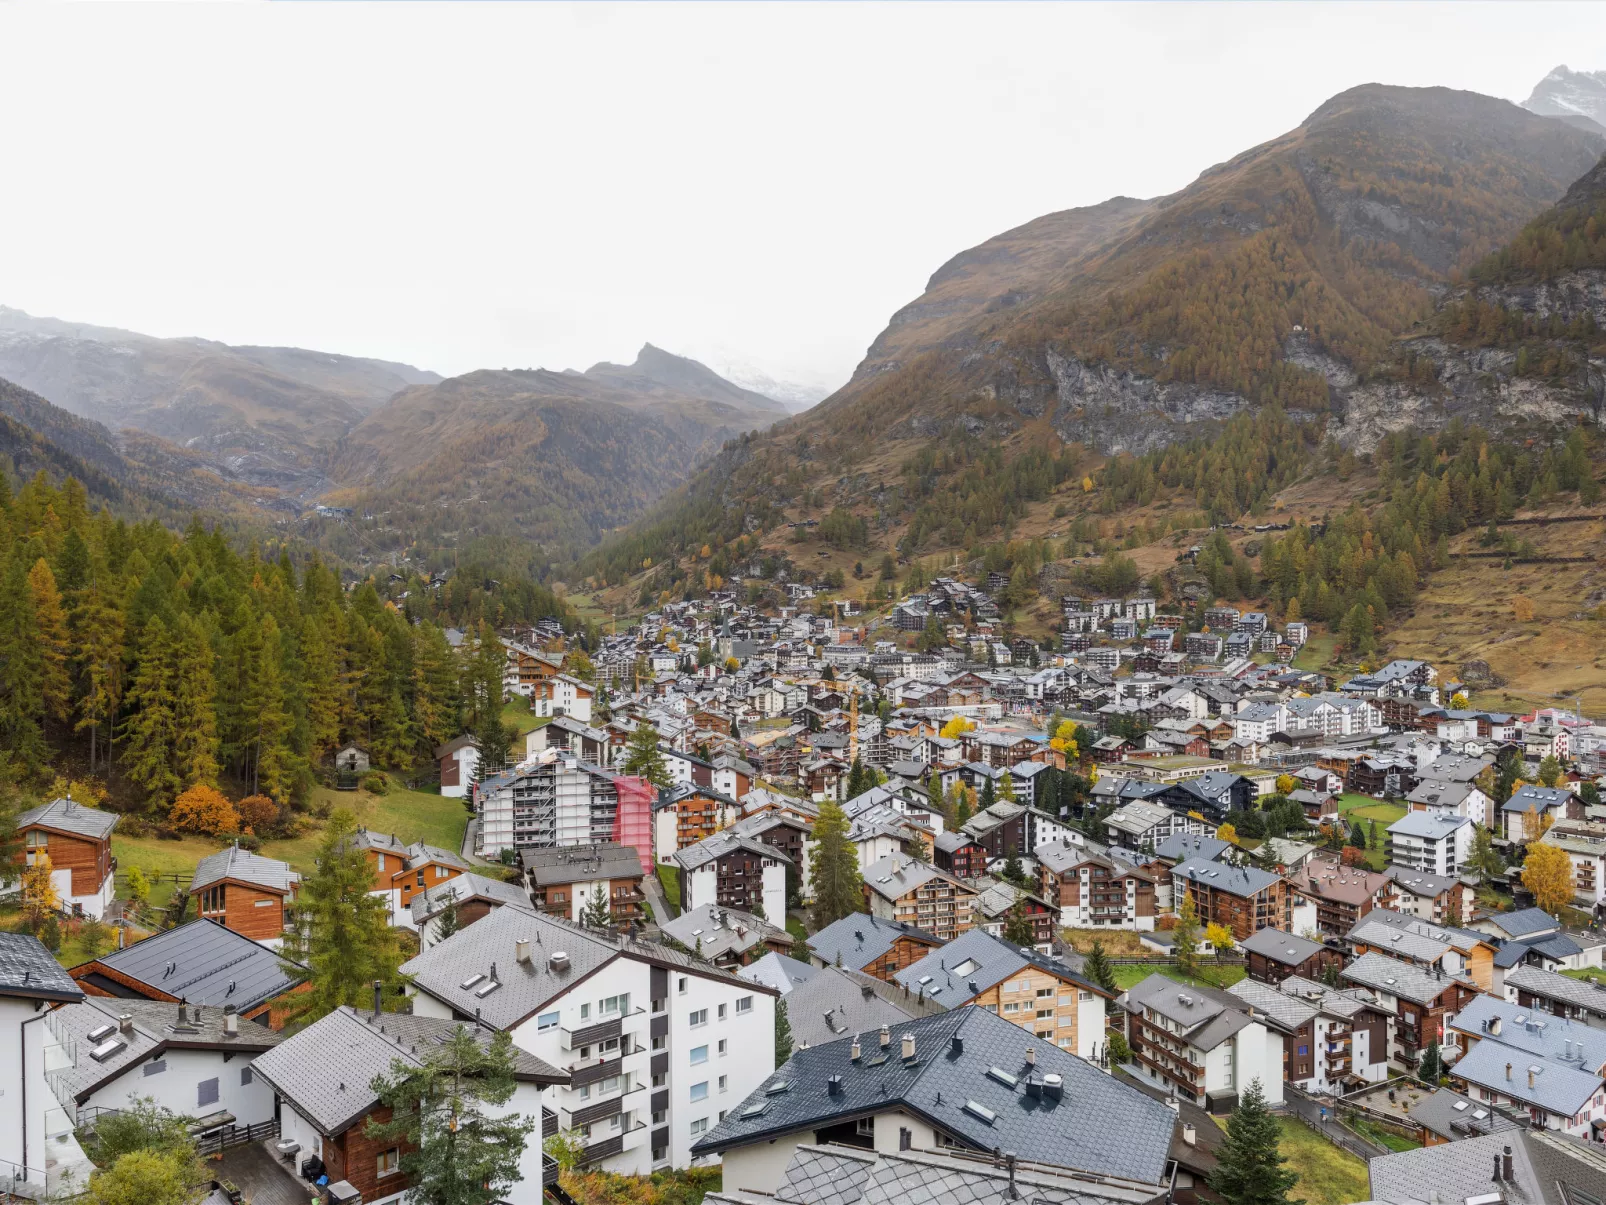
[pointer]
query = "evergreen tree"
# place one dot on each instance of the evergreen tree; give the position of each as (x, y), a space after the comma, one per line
(150, 733)
(1097, 967)
(1484, 860)
(962, 805)
(1018, 925)
(783, 1033)
(1249, 1163)
(1006, 788)
(598, 913)
(988, 797)
(835, 879)
(195, 743)
(23, 705)
(1013, 872)
(322, 674)
(50, 626)
(340, 930)
(459, 1146)
(448, 922)
(1431, 1066)
(643, 758)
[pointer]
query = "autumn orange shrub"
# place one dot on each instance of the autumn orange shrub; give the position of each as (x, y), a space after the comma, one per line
(206, 810)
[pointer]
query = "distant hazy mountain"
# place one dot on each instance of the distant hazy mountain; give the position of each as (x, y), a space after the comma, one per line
(1575, 96)
(660, 373)
(263, 415)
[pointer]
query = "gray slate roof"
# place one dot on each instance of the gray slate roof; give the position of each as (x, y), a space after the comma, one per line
(1403, 979)
(156, 1028)
(1242, 881)
(204, 963)
(858, 940)
(28, 970)
(1184, 847)
(487, 948)
(1538, 1034)
(66, 816)
(896, 875)
(712, 931)
(427, 903)
(1419, 882)
(1524, 922)
(245, 867)
(1288, 949)
(1559, 1087)
(1553, 986)
(779, 971)
(711, 849)
(581, 864)
(1100, 1125)
(1207, 1018)
(973, 962)
(835, 1003)
(1451, 1171)
(326, 1070)
(1453, 1116)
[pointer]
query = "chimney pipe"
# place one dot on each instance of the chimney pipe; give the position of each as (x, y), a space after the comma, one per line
(1508, 1070)
(1530, 1078)
(908, 1046)
(521, 950)
(886, 1037)
(854, 1051)
(957, 1044)
(1505, 1163)
(125, 1022)
(231, 1021)
(1011, 1192)
(378, 998)
(1190, 1135)
(1031, 1056)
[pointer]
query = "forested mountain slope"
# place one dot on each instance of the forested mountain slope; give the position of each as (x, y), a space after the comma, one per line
(1285, 277)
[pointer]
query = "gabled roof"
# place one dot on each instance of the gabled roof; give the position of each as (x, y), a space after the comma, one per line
(463, 888)
(1524, 922)
(66, 816)
(1530, 1031)
(581, 863)
(243, 866)
(1286, 949)
(712, 931)
(1184, 847)
(1099, 1125)
(326, 1071)
(1243, 881)
(1205, 1017)
(155, 1027)
(204, 963)
(835, 1002)
(486, 953)
(1552, 986)
(717, 846)
(1429, 826)
(1530, 798)
(896, 875)
(27, 970)
(1419, 882)
(1403, 979)
(419, 854)
(975, 961)
(1563, 1088)
(779, 971)
(859, 939)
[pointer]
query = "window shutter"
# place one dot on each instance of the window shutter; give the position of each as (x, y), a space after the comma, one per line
(206, 1092)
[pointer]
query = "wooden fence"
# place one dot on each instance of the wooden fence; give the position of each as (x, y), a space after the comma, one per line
(221, 1139)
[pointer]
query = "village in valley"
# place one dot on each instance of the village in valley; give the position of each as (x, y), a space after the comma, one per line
(797, 890)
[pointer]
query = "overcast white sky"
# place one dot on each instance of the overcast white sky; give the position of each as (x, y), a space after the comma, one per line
(509, 185)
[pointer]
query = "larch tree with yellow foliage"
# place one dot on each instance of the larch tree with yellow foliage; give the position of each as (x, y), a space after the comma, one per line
(1286, 783)
(956, 727)
(38, 889)
(1064, 739)
(1548, 873)
(1219, 938)
(1227, 833)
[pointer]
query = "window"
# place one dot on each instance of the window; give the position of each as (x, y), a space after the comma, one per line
(681, 988)
(865, 1127)
(440, 872)
(245, 1076)
(1084, 997)
(1044, 991)
(1304, 1049)
(585, 1091)
(212, 899)
(699, 1126)
(699, 1018)
(744, 1004)
(420, 878)
(206, 1092)
(660, 1079)
(156, 1067)
(388, 1163)
(722, 1048)
(661, 1042)
(611, 1084)
(1012, 1007)
(660, 1154)
(614, 1004)
(660, 1116)
(659, 1004)
(722, 1080)
(721, 1013)
(545, 1022)
(699, 1054)
(906, 1139)
(585, 1012)
(699, 1091)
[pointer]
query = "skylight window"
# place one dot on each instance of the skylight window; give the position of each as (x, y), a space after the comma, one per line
(966, 967)
(1461, 1106)
(470, 982)
(778, 1087)
(107, 1048)
(980, 1112)
(999, 1075)
(481, 993)
(101, 1032)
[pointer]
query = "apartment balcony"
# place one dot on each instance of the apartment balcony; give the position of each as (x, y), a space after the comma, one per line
(591, 1071)
(610, 1146)
(597, 1111)
(549, 1171)
(590, 1035)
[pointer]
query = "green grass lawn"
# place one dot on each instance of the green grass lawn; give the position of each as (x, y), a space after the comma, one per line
(1317, 652)
(1328, 1175)
(1209, 976)
(516, 715)
(800, 935)
(1587, 973)
(410, 815)
(76, 946)
(669, 876)
(1384, 1137)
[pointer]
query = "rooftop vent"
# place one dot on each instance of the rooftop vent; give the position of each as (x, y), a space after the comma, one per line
(1053, 1086)
(559, 961)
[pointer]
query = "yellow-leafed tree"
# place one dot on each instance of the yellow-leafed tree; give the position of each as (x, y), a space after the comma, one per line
(204, 809)
(1064, 740)
(39, 897)
(1548, 873)
(1227, 833)
(1219, 938)
(956, 727)
(1286, 783)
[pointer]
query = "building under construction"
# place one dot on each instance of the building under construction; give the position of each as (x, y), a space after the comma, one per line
(555, 801)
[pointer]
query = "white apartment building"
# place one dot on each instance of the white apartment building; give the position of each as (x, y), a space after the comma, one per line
(659, 1046)
(1205, 1045)
(550, 800)
(1436, 842)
